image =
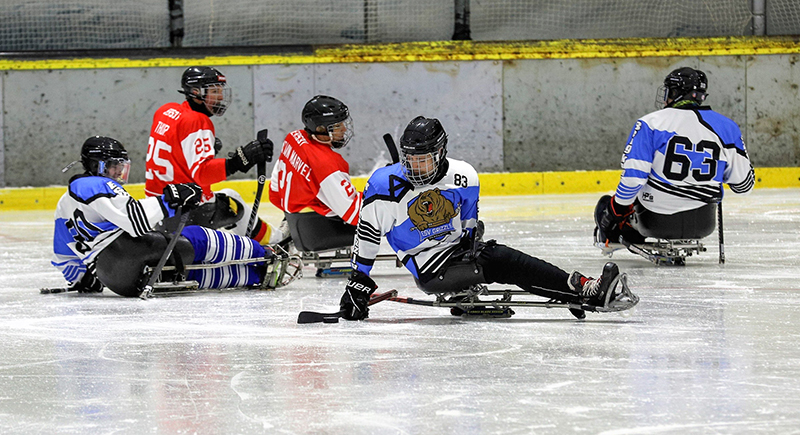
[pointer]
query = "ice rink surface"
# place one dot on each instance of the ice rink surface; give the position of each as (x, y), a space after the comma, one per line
(710, 349)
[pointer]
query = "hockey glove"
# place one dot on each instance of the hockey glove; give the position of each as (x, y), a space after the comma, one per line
(187, 196)
(245, 157)
(614, 215)
(217, 145)
(355, 299)
(88, 283)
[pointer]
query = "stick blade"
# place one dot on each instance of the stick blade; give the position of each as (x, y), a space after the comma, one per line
(54, 290)
(314, 317)
(389, 141)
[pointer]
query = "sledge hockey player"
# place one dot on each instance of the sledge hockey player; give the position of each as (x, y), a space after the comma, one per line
(105, 237)
(182, 148)
(426, 207)
(674, 164)
(311, 181)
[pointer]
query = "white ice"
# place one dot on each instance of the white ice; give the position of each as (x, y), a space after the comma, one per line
(709, 349)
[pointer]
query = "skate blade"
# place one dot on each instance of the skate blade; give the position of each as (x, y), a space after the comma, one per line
(608, 249)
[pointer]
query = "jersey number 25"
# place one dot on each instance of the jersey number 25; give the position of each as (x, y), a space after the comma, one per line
(154, 149)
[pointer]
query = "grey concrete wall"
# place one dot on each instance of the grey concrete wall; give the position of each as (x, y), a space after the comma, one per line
(529, 115)
(577, 113)
(384, 98)
(49, 114)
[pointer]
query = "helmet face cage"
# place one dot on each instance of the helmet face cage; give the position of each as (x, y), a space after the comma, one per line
(421, 169)
(208, 85)
(216, 97)
(340, 132)
(423, 149)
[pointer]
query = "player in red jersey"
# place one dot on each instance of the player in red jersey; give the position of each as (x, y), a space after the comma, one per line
(182, 149)
(311, 181)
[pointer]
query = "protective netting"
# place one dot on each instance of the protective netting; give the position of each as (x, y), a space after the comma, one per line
(258, 22)
(83, 24)
(783, 17)
(595, 19)
(103, 24)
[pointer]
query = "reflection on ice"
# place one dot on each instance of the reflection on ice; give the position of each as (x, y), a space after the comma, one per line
(709, 348)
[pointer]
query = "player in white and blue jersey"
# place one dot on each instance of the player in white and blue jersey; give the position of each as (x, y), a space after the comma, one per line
(104, 237)
(426, 207)
(674, 164)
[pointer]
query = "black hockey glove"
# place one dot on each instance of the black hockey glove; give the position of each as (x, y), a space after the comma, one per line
(245, 157)
(88, 283)
(613, 215)
(355, 299)
(187, 196)
(217, 145)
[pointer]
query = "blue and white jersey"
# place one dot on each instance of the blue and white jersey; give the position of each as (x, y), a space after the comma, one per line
(423, 225)
(92, 214)
(676, 159)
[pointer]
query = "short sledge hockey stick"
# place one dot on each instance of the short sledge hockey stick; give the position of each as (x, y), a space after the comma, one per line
(389, 141)
(314, 317)
(147, 291)
(55, 290)
(721, 235)
(261, 170)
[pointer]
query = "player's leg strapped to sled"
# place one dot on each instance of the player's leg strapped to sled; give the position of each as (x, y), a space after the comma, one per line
(677, 236)
(201, 259)
(491, 262)
(324, 242)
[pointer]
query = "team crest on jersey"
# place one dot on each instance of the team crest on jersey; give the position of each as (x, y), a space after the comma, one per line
(432, 214)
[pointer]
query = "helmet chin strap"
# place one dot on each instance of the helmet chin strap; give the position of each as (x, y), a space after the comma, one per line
(199, 107)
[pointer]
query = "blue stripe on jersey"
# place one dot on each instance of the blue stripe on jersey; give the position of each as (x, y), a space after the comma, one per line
(87, 189)
(728, 131)
(62, 238)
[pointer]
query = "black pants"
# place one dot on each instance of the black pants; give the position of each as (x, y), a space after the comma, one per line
(500, 264)
(690, 224)
(120, 266)
(312, 232)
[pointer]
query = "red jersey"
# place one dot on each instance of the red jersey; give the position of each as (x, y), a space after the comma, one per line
(181, 150)
(309, 174)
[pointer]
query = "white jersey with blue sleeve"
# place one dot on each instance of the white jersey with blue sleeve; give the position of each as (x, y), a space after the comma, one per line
(423, 225)
(92, 214)
(676, 159)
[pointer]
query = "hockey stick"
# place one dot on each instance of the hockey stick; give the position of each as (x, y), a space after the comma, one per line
(625, 300)
(389, 141)
(55, 290)
(314, 317)
(261, 170)
(721, 234)
(147, 291)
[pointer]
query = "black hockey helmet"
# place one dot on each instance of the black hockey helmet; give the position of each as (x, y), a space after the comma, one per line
(423, 137)
(106, 157)
(208, 85)
(327, 116)
(683, 85)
